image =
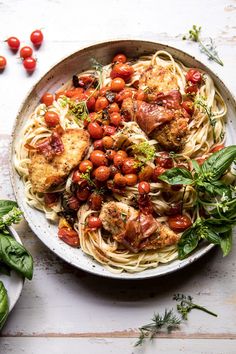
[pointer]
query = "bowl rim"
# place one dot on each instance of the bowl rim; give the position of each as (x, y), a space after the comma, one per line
(141, 275)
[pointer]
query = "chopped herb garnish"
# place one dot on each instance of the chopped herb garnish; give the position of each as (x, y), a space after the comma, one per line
(144, 152)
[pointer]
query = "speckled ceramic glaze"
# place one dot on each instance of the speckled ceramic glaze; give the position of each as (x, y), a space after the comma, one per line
(55, 77)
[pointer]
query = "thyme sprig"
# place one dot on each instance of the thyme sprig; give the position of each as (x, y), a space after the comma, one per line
(169, 321)
(186, 305)
(201, 102)
(209, 48)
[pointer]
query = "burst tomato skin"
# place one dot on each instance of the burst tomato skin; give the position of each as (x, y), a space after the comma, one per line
(69, 236)
(191, 90)
(194, 76)
(179, 223)
(143, 187)
(119, 58)
(94, 222)
(123, 71)
(188, 106)
(164, 160)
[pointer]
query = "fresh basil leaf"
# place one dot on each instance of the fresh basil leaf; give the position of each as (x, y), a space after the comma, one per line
(217, 187)
(226, 242)
(218, 163)
(177, 175)
(211, 236)
(16, 256)
(4, 305)
(196, 166)
(218, 225)
(188, 242)
(6, 206)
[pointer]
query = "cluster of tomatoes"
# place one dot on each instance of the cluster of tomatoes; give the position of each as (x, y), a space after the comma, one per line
(194, 79)
(26, 52)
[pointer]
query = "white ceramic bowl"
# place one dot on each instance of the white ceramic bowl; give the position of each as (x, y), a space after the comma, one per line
(52, 80)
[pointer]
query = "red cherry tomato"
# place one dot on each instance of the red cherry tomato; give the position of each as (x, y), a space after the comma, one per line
(113, 108)
(143, 187)
(76, 177)
(164, 160)
(109, 130)
(191, 90)
(36, 37)
(117, 84)
(122, 95)
(123, 153)
(91, 103)
(47, 99)
(101, 103)
(98, 158)
(3, 62)
(179, 223)
(102, 173)
(120, 180)
(73, 203)
(119, 58)
(94, 222)
(29, 64)
(125, 71)
(129, 166)
(131, 179)
(69, 236)
(217, 148)
(140, 95)
(13, 43)
(194, 76)
(110, 154)
(118, 160)
(157, 172)
(51, 199)
(95, 201)
(115, 119)
(108, 142)
(26, 52)
(95, 130)
(98, 144)
(146, 173)
(188, 106)
(85, 166)
(83, 194)
(51, 118)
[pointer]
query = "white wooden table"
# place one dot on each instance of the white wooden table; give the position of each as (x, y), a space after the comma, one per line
(64, 310)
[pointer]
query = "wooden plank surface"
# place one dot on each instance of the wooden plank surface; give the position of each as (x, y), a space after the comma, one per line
(64, 310)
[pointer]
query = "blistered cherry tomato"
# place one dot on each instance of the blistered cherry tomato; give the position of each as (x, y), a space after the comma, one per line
(146, 173)
(194, 76)
(36, 37)
(122, 95)
(26, 52)
(217, 148)
(143, 187)
(119, 58)
(98, 158)
(179, 223)
(73, 203)
(108, 142)
(101, 103)
(69, 236)
(29, 64)
(95, 130)
(157, 172)
(140, 95)
(114, 170)
(83, 194)
(47, 99)
(85, 166)
(76, 177)
(120, 180)
(91, 103)
(110, 154)
(3, 62)
(123, 153)
(117, 84)
(95, 201)
(102, 173)
(131, 179)
(13, 43)
(51, 199)
(115, 119)
(94, 222)
(109, 130)
(118, 160)
(51, 118)
(125, 71)
(164, 160)
(98, 144)
(113, 108)
(174, 208)
(191, 90)
(129, 166)
(188, 106)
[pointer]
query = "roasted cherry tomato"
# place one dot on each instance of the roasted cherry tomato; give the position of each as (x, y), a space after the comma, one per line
(102, 173)
(146, 174)
(69, 236)
(120, 180)
(115, 119)
(94, 222)
(95, 130)
(110, 154)
(13, 43)
(98, 158)
(117, 84)
(131, 179)
(191, 90)
(217, 148)
(118, 160)
(73, 203)
(114, 170)
(29, 64)
(157, 172)
(36, 37)
(101, 103)
(122, 95)
(194, 76)
(123, 153)
(98, 144)
(164, 160)
(179, 223)
(119, 58)
(188, 106)
(95, 201)
(26, 52)
(3, 62)
(140, 95)
(113, 108)
(174, 209)
(83, 194)
(125, 71)
(109, 130)
(51, 118)
(108, 142)
(143, 187)
(51, 199)
(85, 166)
(129, 166)
(47, 99)
(76, 177)
(91, 101)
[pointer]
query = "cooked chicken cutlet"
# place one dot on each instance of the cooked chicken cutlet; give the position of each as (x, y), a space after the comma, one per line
(44, 174)
(158, 79)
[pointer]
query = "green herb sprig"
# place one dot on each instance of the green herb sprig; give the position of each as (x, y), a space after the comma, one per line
(201, 102)
(209, 49)
(144, 152)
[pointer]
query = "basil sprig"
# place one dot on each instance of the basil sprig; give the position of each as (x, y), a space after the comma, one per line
(4, 305)
(214, 196)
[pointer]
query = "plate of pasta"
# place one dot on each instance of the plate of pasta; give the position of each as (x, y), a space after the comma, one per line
(123, 159)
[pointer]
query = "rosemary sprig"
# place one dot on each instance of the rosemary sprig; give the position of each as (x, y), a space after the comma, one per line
(186, 305)
(201, 102)
(209, 49)
(169, 321)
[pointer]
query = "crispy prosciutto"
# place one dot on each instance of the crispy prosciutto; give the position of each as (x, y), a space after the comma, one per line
(51, 146)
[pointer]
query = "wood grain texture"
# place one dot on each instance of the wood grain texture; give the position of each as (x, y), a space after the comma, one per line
(64, 310)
